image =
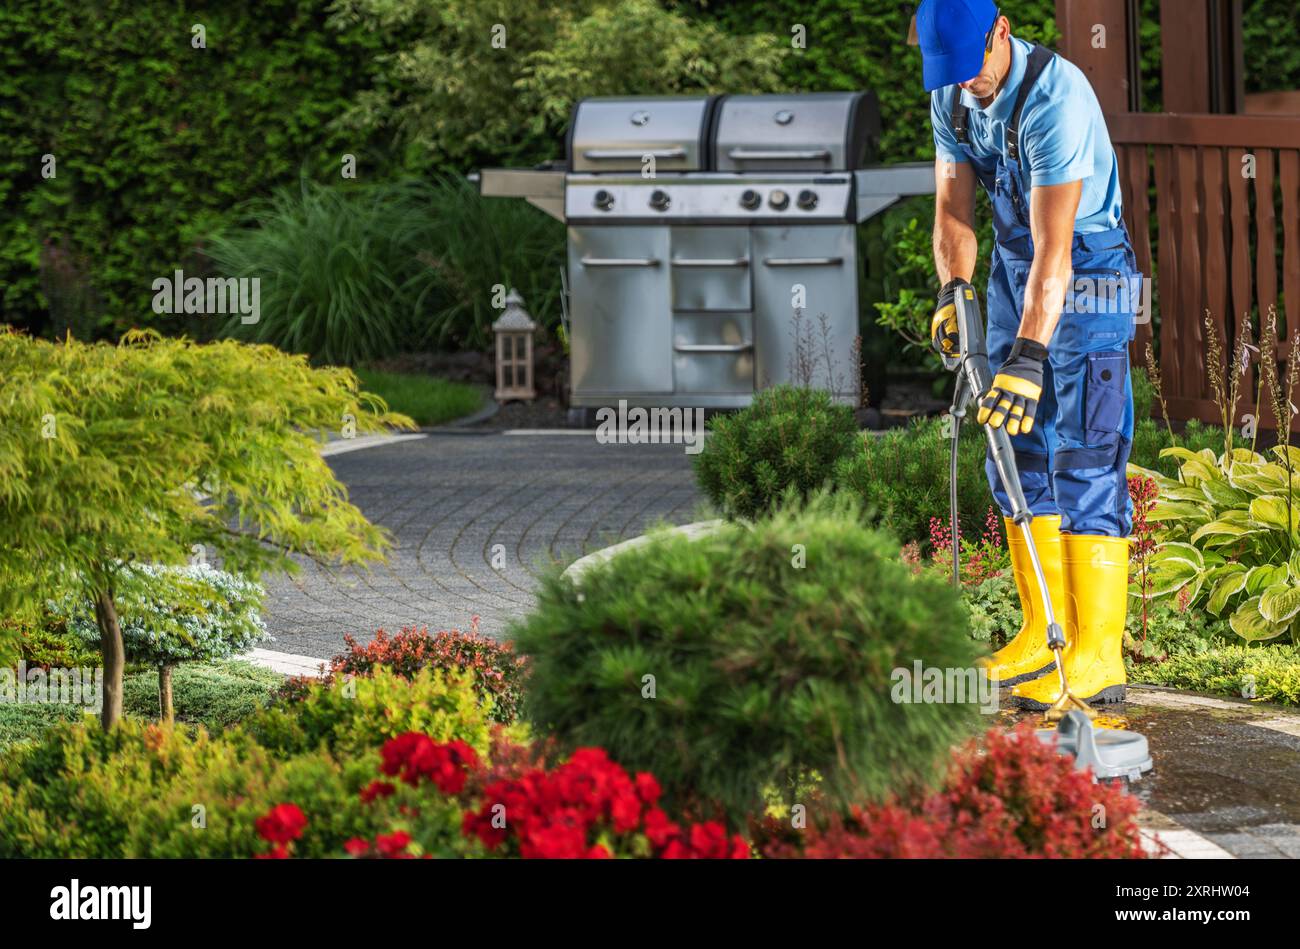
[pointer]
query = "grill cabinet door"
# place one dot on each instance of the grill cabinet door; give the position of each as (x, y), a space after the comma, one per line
(816, 267)
(622, 315)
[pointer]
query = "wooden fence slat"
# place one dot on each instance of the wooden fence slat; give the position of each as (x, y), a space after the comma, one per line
(1194, 381)
(1135, 170)
(1265, 257)
(1289, 167)
(1215, 245)
(1167, 266)
(1242, 286)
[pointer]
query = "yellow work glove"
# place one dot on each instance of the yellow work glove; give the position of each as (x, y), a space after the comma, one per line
(1013, 397)
(943, 325)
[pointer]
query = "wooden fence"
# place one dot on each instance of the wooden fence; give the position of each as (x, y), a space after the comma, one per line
(1223, 194)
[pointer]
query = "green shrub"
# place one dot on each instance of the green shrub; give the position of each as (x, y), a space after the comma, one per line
(788, 439)
(47, 642)
(1171, 631)
(902, 478)
(76, 793)
(158, 791)
(22, 721)
(356, 714)
(216, 695)
(766, 667)
(171, 615)
(1268, 673)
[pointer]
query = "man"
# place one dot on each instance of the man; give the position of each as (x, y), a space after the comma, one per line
(1026, 125)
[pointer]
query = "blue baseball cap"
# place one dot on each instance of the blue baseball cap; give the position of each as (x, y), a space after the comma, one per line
(952, 37)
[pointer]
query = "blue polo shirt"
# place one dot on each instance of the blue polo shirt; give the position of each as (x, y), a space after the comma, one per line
(1063, 135)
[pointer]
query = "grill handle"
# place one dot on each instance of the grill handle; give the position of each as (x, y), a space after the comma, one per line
(713, 347)
(710, 262)
(618, 154)
(620, 261)
(771, 154)
(803, 261)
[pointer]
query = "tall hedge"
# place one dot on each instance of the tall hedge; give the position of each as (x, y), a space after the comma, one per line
(153, 139)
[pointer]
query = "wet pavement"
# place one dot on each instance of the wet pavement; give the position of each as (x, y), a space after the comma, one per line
(1225, 770)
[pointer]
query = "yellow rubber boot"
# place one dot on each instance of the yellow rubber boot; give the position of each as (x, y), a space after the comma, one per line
(1096, 605)
(1027, 656)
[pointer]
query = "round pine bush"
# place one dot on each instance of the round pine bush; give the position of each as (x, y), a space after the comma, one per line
(902, 479)
(789, 438)
(753, 660)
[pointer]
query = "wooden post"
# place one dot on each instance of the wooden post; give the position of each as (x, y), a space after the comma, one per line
(1096, 37)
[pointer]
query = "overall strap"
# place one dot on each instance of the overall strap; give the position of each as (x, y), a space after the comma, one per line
(1039, 57)
(959, 113)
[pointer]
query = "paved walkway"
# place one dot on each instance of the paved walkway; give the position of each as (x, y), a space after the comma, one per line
(475, 519)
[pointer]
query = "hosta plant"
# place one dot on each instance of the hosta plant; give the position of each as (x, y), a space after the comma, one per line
(1229, 537)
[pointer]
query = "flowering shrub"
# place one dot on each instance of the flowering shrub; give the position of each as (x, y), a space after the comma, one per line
(589, 807)
(498, 670)
(980, 560)
(1015, 798)
(444, 801)
(280, 827)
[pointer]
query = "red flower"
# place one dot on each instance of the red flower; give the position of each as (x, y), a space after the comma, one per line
(393, 845)
(647, 787)
(414, 757)
(357, 847)
(281, 824)
(375, 790)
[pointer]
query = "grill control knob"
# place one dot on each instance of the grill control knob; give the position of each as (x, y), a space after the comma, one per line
(779, 200)
(807, 200)
(750, 200)
(603, 200)
(659, 200)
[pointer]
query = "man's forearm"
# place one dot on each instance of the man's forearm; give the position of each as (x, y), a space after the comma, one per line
(955, 249)
(1045, 293)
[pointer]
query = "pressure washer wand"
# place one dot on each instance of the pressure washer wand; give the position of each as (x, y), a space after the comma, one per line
(974, 376)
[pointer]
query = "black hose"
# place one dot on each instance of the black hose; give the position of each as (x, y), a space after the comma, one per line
(952, 505)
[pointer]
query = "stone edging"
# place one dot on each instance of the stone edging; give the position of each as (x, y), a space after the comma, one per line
(691, 531)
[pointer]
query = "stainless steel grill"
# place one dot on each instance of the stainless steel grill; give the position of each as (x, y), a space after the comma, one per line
(702, 230)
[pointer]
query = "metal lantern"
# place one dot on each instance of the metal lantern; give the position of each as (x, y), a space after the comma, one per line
(514, 333)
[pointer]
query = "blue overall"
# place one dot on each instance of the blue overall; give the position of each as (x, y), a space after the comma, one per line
(1072, 462)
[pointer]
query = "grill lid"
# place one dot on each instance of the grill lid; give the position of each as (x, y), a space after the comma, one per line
(616, 134)
(818, 131)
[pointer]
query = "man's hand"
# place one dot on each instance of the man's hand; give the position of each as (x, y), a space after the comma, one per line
(943, 326)
(1013, 397)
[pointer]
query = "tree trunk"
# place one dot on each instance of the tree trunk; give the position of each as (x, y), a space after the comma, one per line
(114, 653)
(165, 693)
